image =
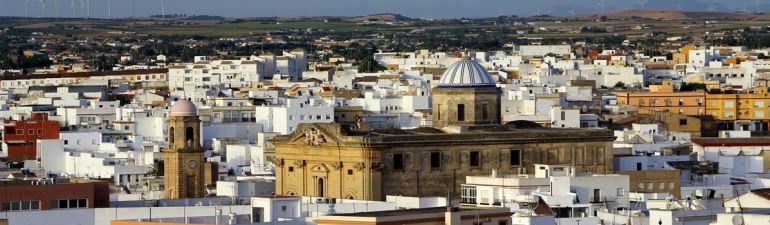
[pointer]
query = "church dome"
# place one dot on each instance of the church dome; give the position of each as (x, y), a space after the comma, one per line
(183, 108)
(466, 73)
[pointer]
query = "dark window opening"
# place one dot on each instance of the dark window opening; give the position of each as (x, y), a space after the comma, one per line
(461, 112)
(189, 135)
(435, 159)
(291, 169)
(475, 159)
(682, 122)
(398, 161)
(515, 157)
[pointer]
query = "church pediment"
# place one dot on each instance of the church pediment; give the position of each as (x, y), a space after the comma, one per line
(315, 135)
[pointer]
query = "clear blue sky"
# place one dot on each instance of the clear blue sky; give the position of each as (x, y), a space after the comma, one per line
(411, 8)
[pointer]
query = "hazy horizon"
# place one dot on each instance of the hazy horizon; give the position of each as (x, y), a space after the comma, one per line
(412, 8)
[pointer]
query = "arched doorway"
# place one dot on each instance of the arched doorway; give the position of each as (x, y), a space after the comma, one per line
(321, 187)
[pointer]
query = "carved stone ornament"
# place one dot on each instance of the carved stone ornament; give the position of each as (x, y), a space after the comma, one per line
(278, 162)
(359, 166)
(299, 163)
(335, 165)
(313, 137)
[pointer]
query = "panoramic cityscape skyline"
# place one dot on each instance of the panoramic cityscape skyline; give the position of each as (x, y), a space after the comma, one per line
(384, 112)
(425, 9)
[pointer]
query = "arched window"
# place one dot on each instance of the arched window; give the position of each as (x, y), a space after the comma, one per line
(189, 135)
(171, 135)
(320, 187)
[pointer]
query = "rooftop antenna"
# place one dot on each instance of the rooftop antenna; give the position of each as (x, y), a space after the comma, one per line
(642, 3)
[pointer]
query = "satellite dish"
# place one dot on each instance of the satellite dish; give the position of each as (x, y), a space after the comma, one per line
(737, 220)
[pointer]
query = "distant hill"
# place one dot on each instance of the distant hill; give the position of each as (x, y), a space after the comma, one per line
(386, 17)
(673, 14)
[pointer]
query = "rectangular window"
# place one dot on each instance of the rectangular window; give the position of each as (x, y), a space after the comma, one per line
(438, 116)
(435, 159)
(26, 205)
(291, 169)
(682, 122)
(475, 159)
(19, 132)
(31, 131)
(484, 112)
(515, 158)
(398, 161)
(468, 194)
(350, 172)
(563, 115)
(461, 112)
(69, 203)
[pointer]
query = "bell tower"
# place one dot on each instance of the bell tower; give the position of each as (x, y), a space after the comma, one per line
(184, 155)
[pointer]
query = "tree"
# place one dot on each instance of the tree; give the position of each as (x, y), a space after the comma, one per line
(157, 169)
(369, 65)
(692, 87)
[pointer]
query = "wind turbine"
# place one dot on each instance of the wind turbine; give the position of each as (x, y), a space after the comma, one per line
(163, 8)
(26, 8)
(572, 11)
(757, 3)
(679, 5)
(643, 2)
(601, 6)
(56, 2)
(42, 3)
(82, 8)
(746, 2)
(73, 9)
(109, 9)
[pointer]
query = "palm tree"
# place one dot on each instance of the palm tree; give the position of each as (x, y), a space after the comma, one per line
(156, 169)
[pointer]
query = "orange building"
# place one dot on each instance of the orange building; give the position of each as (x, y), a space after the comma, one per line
(662, 98)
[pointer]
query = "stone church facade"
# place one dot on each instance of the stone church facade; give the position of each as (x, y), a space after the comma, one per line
(323, 160)
(466, 139)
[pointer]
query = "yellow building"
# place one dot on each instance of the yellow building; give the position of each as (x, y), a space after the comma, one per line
(747, 106)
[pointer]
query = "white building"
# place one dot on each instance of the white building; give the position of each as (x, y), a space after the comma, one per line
(287, 115)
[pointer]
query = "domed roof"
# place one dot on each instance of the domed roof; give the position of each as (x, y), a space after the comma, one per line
(466, 73)
(183, 108)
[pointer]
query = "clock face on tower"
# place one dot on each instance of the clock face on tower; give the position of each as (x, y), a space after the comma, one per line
(192, 164)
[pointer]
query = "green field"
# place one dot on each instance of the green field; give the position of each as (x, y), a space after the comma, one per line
(213, 28)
